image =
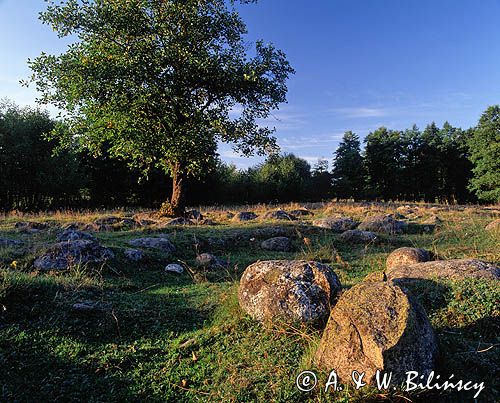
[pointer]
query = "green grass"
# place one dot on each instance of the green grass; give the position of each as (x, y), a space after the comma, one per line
(164, 337)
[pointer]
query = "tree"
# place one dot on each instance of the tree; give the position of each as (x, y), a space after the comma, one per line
(160, 82)
(484, 147)
(321, 181)
(347, 173)
(383, 161)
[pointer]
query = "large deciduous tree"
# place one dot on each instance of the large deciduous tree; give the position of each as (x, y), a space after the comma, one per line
(484, 147)
(160, 82)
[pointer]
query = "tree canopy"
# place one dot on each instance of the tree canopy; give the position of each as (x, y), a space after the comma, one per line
(160, 82)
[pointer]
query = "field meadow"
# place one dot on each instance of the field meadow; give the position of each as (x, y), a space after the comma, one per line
(158, 336)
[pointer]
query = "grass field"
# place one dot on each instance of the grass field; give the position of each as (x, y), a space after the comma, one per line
(167, 337)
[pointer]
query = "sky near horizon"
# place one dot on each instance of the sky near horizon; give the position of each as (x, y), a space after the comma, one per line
(360, 64)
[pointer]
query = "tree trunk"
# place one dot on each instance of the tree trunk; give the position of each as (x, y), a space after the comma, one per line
(177, 199)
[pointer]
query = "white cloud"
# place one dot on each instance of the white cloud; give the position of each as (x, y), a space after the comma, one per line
(360, 112)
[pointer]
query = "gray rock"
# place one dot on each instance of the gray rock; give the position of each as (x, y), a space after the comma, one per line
(376, 326)
(30, 226)
(110, 220)
(300, 212)
(244, 216)
(336, 224)
(288, 290)
(73, 235)
(174, 268)
(279, 215)
(405, 256)
(453, 269)
(383, 224)
(134, 255)
(161, 243)
(278, 244)
(210, 261)
(358, 236)
(62, 255)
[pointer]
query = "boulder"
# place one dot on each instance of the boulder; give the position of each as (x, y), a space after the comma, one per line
(193, 215)
(30, 226)
(244, 216)
(278, 244)
(288, 290)
(383, 224)
(358, 236)
(62, 255)
(493, 226)
(376, 326)
(180, 221)
(301, 212)
(74, 235)
(279, 215)
(10, 243)
(174, 268)
(336, 224)
(134, 255)
(161, 243)
(110, 220)
(453, 269)
(208, 260)
(405, 256)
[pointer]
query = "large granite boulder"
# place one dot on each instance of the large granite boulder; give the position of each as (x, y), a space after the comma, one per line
(336, 224)
(453, 269)
(288, 290)
(162, 244)
(406, 256)
(377, 326)
(384, 224)
(244, 216)
(65, 254)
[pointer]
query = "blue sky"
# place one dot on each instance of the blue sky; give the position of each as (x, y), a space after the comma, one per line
(359, 64)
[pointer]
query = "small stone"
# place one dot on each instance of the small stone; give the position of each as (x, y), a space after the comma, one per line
(73, 235)
(209, 260)
(279, 215)
(358, 236)
(161, 243)
(244, 216)
(384, 224)
(278, 244)
(135, 255)
(336, 224)
(174, 268)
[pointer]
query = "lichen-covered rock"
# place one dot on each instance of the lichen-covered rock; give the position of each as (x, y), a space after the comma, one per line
(135, 255)
(288, 290)
(208, 260)
(336, 224)
(10, 243)
(376, 326)
(493, 226)
(358, 236)
(383, 224)
(161, 243)
(62, 255)
(244, 216)
(279, 215)
(74, 235)
(279, 244)
(453, 269)
(405, 256)
(300, 212)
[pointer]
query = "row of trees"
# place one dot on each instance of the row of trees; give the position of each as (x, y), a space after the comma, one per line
(436, 164)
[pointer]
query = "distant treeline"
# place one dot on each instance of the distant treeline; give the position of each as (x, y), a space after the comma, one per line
(430, 165)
